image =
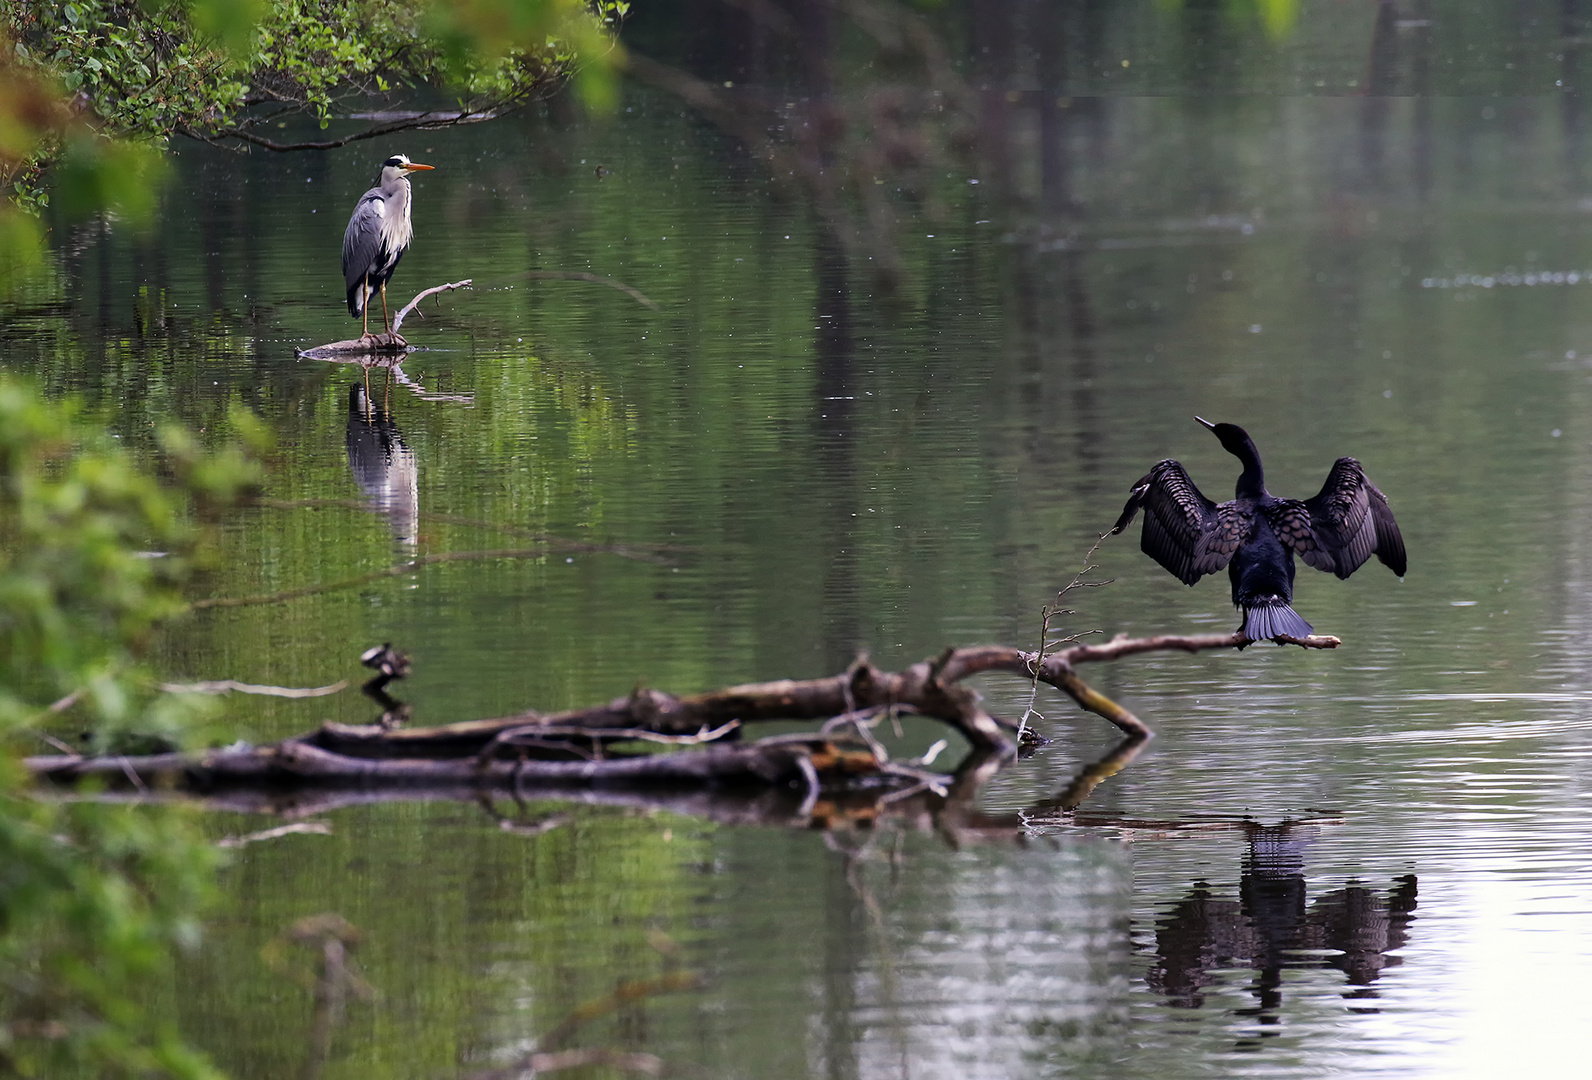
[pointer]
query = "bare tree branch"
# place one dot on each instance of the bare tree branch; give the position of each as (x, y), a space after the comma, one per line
(427, 121)
(398, 319)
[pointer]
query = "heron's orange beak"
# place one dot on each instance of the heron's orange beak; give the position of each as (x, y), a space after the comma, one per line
(415, 166)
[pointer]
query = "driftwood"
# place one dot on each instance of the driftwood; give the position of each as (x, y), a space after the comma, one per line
(379, 346)
(585, 748)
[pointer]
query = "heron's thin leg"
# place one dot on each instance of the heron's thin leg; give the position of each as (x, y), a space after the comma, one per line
(364, 327)
(384, 321)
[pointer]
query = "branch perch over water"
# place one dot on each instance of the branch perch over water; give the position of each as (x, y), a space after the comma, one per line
(380, 345)
(1057, 669)
(387, 345)
(583, 748)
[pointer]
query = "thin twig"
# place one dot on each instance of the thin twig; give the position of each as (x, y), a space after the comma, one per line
(1050, 611)
(923, 780)
(403, 312)
(132, 775)
(65, 748)
(62, 704)
(862, 721)
(936, 786)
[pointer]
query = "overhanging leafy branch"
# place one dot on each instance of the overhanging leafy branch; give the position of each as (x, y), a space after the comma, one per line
(207, 70)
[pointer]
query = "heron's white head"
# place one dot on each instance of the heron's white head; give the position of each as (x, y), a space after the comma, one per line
(400, 166)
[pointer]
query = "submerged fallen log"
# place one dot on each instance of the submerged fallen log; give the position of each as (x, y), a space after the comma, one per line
(596, 746)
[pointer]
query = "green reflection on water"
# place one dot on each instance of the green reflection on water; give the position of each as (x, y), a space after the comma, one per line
(476, 939)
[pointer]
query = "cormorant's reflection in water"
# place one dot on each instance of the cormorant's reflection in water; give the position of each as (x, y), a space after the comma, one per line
(382, 465)
(1273, 925)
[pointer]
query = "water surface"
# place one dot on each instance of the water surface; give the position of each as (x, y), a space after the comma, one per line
(1363, 861)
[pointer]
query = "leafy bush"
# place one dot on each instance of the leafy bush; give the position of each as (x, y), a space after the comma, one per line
(94, 897)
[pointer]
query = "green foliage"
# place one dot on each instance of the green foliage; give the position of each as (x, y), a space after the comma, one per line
(197, 66)
(30, 109)
(93, 898)
(230, 22)
(491, 46)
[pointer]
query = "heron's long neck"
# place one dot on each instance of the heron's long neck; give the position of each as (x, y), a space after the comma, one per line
(402, 229)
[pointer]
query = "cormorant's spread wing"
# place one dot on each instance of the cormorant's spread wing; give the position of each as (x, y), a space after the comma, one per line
(1344, 525)
(1183, 530)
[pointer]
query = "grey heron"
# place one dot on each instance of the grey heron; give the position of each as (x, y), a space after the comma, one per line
(377, 236)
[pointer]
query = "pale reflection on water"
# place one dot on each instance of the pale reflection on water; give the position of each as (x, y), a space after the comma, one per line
(384, 466)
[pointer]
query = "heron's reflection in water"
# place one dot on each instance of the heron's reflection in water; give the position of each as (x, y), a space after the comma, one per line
(382, 465)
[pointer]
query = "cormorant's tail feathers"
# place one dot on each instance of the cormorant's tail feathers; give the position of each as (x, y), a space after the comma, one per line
(1268, 619)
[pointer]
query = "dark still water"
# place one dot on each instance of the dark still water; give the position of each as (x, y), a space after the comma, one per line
(1366, 861)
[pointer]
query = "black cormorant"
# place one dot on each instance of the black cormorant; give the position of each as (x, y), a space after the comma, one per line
(1257, 534)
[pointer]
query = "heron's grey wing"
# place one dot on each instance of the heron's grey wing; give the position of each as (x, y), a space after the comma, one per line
(1183, 530)
(362, 239)
(1346, 523)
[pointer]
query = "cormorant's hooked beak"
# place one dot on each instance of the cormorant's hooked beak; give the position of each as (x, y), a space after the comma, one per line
(1206, 422)
(415, 166)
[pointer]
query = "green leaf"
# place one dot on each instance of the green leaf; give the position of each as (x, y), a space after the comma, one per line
(233, 22)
